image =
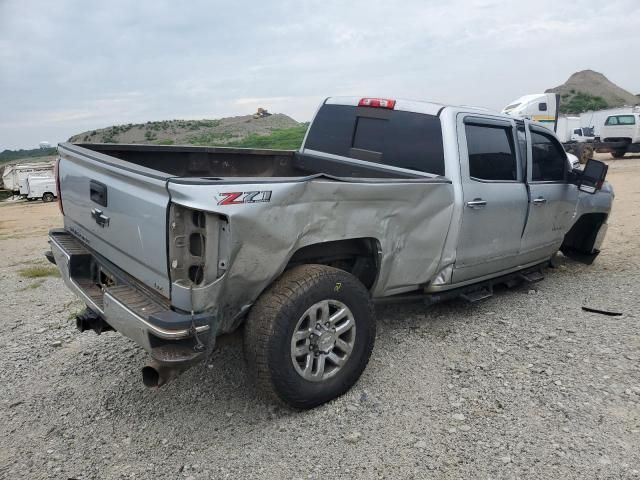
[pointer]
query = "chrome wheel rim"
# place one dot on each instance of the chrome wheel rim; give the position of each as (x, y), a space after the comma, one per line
(323, 340)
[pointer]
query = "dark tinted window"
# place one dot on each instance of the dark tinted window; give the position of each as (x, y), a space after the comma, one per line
(549, 162)
(542, 106)
(491, 152)
(392, 137)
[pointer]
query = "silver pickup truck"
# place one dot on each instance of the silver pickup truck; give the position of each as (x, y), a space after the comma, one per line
(385, 200)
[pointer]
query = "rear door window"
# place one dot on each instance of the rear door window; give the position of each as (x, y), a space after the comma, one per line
(626, 120)
(549, 160)
(390, 137)
(491, 152)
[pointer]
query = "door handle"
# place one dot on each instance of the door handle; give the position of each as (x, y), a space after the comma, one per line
(100, 218)
(477, 203)
(539, 201)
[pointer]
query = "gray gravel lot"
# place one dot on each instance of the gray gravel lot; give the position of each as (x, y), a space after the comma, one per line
(523, 385)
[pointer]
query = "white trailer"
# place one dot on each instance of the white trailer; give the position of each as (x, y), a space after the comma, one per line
(566, 126)
(41, 187)
(15, 175)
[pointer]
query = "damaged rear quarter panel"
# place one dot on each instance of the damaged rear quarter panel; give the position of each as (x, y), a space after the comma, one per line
(410, 221)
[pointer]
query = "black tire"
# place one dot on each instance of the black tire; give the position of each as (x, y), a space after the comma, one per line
(618, 153)
(271, 323)
(47, 197)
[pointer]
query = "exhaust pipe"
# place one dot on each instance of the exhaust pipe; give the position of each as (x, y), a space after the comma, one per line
(155, 374)
(89, 320)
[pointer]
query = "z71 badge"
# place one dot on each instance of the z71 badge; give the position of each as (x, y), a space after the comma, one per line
(236, 198)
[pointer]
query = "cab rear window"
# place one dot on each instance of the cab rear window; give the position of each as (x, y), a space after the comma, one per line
(390, 137)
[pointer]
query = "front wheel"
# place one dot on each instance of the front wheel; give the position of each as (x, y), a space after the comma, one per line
(308, 338)
(618, 153)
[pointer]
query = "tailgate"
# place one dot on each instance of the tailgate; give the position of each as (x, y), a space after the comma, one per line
(119, 210)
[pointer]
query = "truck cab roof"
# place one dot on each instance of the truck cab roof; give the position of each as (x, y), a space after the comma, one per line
(409, 105)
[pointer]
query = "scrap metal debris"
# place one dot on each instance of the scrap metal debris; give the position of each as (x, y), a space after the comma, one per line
(602, 312)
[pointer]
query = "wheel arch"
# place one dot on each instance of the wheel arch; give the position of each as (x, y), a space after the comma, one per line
(359, 256)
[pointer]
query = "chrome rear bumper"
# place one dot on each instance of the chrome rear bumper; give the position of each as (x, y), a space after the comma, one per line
(129, 307)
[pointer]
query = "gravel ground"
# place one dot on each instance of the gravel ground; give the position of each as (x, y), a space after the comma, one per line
(523, 385)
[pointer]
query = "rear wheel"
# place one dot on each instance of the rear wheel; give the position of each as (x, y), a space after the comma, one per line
(309, 337)
(618, 153)
(48, 197)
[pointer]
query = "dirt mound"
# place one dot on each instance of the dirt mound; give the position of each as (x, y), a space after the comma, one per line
(597, 85)
(189, 132)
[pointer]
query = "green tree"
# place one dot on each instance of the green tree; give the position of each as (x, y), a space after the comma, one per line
(582, 102)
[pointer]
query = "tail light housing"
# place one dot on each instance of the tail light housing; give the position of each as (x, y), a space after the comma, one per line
(377, 103)
(56, 174)
(198, 246)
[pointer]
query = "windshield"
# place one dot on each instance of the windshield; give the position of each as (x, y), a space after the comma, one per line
(512, 106)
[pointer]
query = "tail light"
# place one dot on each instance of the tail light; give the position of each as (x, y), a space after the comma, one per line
(56, 174)
(377, 103)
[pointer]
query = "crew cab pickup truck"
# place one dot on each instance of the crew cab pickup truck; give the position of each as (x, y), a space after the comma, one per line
(173, 246)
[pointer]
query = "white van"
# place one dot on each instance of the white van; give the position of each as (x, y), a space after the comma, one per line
(41, 187)
(621, 128)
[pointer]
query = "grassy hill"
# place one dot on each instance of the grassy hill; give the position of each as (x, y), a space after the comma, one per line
(223, 131)
(289, 138)
(589, 90)
(283, 139)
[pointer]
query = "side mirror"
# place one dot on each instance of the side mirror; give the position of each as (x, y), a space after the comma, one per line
(592, 177)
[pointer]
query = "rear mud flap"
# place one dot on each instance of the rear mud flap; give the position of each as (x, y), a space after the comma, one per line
(582, 243)
(586, 258)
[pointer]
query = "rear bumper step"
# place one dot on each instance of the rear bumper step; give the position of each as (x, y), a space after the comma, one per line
(146, 318)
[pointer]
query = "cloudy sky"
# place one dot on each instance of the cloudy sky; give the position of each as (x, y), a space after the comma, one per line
(70, 66)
